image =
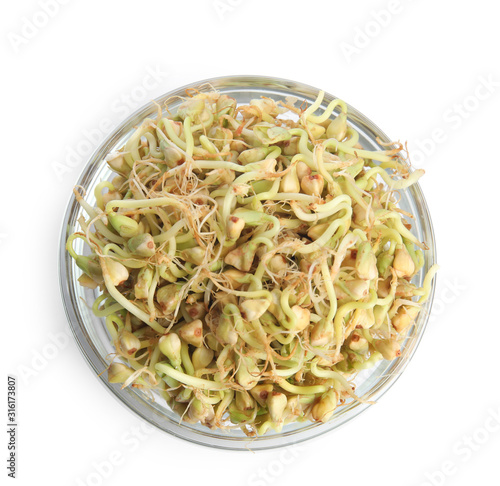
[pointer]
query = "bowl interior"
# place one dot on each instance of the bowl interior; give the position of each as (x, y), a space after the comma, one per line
(90, 331)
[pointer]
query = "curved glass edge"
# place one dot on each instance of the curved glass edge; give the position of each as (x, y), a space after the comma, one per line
(128, 397)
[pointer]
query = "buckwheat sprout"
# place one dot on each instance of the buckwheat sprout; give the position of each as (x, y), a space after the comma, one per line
(391, 234)
(100, 226)
(381, 156)
(426, 287)
(330, 291)
(328, 111)
(398, 226)
(247, 267)
(325, 211)
(317, 103)
(114, 324)
(352, 138)
(216, 164)
(125, 303)
(170, 234)
(342, 382)
(170, 133)
(302, 390)
(303, 144)
(107, 309)
(393, 184)
(343, 311)
(186, 379)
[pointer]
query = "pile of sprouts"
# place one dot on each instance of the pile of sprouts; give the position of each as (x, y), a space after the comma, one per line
(251, 260)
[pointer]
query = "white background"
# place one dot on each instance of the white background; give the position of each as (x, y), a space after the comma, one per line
(428, 70)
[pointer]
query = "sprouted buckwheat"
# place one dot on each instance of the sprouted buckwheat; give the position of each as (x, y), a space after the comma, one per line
(250, 264)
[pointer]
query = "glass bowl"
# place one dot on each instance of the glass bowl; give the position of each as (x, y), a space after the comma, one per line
(91, 334)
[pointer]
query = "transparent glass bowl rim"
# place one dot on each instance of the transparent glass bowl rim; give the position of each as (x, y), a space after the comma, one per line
(129, 397)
